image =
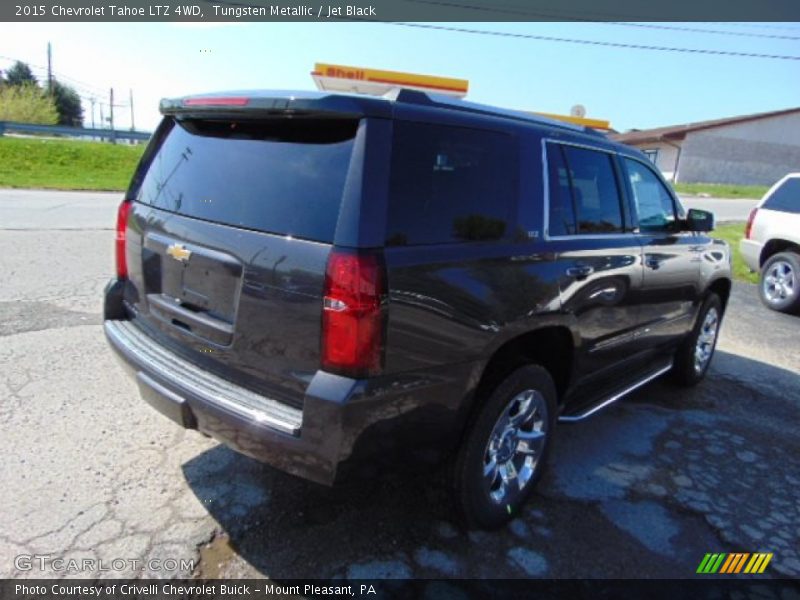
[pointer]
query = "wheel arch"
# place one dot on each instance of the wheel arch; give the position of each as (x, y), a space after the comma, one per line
(722, 288)
(551, 346)
(775, 246)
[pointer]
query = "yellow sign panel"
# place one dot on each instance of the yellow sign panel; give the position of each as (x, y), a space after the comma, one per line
(377, 81)
(393, 78)
(593, 123)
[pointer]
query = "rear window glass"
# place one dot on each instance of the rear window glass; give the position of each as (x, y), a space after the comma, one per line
(786, 198)
(282, 176)
(450, 184)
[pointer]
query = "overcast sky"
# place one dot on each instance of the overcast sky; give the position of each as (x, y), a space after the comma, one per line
(633, 88)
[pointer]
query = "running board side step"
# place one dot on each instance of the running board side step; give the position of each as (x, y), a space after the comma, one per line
(616, 396)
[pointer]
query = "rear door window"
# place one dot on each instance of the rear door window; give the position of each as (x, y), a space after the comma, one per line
(283, 176)
(584, 195)
(786, 198)
(450, 185)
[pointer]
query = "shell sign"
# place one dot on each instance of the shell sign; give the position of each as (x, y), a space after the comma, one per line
(343, 78)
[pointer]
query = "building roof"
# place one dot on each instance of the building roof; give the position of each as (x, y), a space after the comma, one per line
(678, 132)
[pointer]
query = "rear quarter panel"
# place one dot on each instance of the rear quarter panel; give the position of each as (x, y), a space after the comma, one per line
(776, 225)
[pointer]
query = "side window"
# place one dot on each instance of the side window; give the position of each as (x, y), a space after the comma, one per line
(562, 207)
(786, 198)
(584, 195)
(450, 184)
(653, 202)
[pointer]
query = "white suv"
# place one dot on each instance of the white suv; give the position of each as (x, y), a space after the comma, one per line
(771, 244)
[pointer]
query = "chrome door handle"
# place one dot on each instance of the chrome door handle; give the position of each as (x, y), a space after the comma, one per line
(581, 272)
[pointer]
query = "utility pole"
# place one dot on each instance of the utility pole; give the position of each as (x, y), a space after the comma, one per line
(92, 100)
(111, 118)
(49, 69)
(102, 121)
(133, 127)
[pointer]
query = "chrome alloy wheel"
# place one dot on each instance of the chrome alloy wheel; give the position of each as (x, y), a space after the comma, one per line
(705, 340)
(779, 282)
(515, 446)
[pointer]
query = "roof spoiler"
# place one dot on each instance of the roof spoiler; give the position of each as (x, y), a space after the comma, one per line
(241, 104)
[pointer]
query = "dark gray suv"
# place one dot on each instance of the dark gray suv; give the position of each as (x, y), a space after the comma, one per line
(340, 285)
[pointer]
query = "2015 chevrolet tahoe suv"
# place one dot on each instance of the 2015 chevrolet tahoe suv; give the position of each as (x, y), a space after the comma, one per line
(339, 285)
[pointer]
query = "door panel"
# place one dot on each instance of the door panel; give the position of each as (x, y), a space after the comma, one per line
(672, 259)
(600, 286)
(596, 255)
(670, 290)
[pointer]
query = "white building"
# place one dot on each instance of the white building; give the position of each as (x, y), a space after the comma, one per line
(754, 149)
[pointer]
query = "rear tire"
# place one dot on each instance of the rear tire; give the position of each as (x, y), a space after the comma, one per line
(695, 353)
(505, 449)
(779, 283)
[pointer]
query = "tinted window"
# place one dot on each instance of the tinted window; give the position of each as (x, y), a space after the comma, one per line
(588, 176)
(653, 202)
(562, 210)
(450, 184)
(282, 176)
(786, 198)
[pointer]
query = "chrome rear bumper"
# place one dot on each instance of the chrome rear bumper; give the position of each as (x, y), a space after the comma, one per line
(184, 378)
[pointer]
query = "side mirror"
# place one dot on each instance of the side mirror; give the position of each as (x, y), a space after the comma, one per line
(699, 220)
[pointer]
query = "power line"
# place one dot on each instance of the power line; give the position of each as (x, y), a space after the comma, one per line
(563, 14)
(87, 87)
(543, 15)
(84, 91)
(548, 38)
(701, 30)
(81, 91)
(546, 14)
(585, 18)
(763, 26)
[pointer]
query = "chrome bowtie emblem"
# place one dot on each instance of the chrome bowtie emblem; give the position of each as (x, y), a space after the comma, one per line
(179, 252)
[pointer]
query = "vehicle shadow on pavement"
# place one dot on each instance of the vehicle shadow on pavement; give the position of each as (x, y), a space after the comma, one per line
(640, 490)
(289, 527)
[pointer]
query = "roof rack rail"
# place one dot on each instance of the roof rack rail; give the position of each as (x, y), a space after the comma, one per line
(409, 96)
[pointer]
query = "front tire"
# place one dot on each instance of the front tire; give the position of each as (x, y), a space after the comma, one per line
(505, 449)
(695, 353)
(779, 284)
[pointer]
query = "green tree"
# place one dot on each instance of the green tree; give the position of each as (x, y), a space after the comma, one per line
(20, 74)
(68, 105)
(27, 103)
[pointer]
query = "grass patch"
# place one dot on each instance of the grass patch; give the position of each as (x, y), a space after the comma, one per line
(721, 190)
(732, 233)
(66, 164)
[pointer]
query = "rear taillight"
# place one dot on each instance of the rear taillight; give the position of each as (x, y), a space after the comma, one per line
(749, 227)
(122, 225)
(352, 314)
(217, 101)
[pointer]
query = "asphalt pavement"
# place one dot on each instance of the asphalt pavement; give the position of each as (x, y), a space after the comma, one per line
(724, 209)
(645, 489)
(45, 210)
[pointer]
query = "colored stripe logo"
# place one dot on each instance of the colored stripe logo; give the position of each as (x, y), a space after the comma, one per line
(735, 562)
